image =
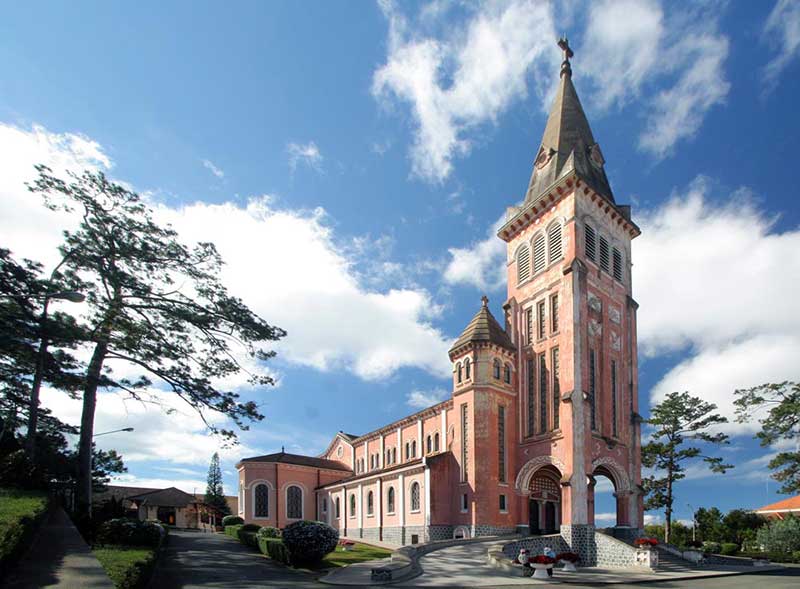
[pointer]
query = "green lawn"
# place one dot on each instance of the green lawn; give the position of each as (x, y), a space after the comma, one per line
(128, 566)
(20, 512)
(359, 553)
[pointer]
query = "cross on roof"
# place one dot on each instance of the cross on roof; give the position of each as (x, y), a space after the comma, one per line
(563, 42)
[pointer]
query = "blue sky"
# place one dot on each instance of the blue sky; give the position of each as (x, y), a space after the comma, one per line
(350, 161)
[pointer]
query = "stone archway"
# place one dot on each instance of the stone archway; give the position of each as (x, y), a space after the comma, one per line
(539, 481)
(608, 468)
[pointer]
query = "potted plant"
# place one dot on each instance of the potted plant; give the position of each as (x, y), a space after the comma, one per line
(645, 555)
(523, 557)
(541, 565)
(569, 559)
(645, 543)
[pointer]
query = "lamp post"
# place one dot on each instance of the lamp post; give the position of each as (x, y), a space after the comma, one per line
(33, 411)
(113, 431)
(694, 523)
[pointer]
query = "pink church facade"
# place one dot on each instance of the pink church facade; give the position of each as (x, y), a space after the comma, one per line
(541, 405)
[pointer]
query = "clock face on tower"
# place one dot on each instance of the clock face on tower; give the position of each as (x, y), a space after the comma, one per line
(596, 156)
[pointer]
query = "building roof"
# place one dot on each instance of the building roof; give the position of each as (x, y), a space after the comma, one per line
(373, 473)
(484, 328)
(170, 497)
(790, 504)
(298, 459)
(567, 142)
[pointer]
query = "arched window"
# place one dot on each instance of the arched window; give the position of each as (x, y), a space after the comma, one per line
(497, 368)
(415, 496)
(337, 509)
(414, 449)
(429, 444)
(394, 455)
(408, 450)
(507, 374)
(467, 368)
(458, 370)
(436, 442)
(352, 505)
(390, 500)
(554, 242)
(523, 263)
(294, 502)
(261, 500)
(538, 253)
(370, 501)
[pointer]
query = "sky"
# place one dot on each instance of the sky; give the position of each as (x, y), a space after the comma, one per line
(351, 161)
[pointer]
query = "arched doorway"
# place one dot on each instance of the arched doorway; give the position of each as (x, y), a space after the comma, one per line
(607, 498)
(544, 502)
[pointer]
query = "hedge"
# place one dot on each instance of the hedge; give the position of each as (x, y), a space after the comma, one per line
(127, 531)
(275, 549)
(247, 534)
(233, 531)
(269, 532)
(232, 520)
(729, 548)
(21, 512)
(128, 567)
(784, 557)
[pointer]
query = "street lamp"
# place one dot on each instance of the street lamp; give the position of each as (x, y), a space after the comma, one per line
(113, 431)
(33, 411)
(694, 523)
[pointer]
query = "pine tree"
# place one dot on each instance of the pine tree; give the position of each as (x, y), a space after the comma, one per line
(215, 493)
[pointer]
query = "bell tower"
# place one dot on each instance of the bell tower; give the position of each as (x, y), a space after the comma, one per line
(572, 320)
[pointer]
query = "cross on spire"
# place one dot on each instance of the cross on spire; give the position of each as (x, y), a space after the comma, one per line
(563, 42)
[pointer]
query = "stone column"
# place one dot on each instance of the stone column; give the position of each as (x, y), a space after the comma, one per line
(401, 505)
(360, 511)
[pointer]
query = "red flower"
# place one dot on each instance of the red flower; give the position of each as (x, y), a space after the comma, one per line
(645, 542)
(542, 559)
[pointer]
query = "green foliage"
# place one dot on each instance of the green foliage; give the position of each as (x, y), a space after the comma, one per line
(275, 549)
(130, 532)
(709, 524)
(741, 525)
(269, 532)
(781, 535)
(712, 547)
(248, 534)
(232, 520)
(782, 422)
(358, 553)
(681, 534)
(215, 493)
(678, 419)
(308, 542)
(250, 528)
(782, 557)
(153, 304)
(233, 530)
(729, 548)
(21, 512)
(128, 567)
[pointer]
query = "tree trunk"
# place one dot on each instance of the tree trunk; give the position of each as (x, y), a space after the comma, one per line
(668, 510)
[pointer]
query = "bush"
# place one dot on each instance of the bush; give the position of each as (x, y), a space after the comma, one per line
(248, 535)
(780, 535)
(21, 513)
(309, 542)
(127, 567)
(712, 547)
(269, 532)
(694, 544)
(729, 549)
(275, 549)
(231, 520)
(250, 528)
(233, 531)
(794, 557)
(131, 532)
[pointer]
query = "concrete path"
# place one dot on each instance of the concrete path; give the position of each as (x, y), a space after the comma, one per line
(59, 558)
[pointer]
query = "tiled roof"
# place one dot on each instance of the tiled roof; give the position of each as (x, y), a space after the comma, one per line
(170, 497)
(298, 459)
(484, 328)
(792, 503)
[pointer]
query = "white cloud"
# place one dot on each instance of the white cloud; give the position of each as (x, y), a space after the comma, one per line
(650, 519)
(304, 153)
(481, 264)
(720, 281)
(605, 517)
(423, 399)
(463, 78)
(782, 31)
(186, 485)
(209, 165)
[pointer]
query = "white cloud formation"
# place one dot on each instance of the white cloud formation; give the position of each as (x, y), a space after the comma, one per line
(465, 77)
(605, 517)
(782, 31)
(422, 399)
(650, 519)
(209, 165)
(720, 281)
(304, 153)
(480, 264)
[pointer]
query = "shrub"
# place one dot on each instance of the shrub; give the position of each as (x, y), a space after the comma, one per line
(711, 547)
(694, 544)
(233, 531)
(275, 549)
(250, 528)
(309, 542)
(729, 548)
(231, 520)
(269, 532)
(780, 535)
(21, 513)
(130, 532)
(128, 568)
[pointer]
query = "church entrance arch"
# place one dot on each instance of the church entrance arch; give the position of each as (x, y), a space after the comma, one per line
(544, 501)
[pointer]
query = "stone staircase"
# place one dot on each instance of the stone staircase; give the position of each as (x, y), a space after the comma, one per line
(672, 563)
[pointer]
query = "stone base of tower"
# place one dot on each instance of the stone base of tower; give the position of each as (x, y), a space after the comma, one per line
(581, 538)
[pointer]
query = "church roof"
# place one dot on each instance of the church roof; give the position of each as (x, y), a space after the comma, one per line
(170, 497)
(484, 328)
(298, 459)
(567, 143)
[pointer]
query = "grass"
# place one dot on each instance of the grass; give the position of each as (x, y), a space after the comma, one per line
(358, 553)
(127, 566)
(20, 514)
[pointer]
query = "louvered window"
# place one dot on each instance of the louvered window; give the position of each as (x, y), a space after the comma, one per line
(501, 443)
(555, 368)
(554, 313)
(538, 254)
(523, 264)
(605, 260)
(543, 394)
(531, 397)
(541, 331)
(554, 242)
(590, 239)
(617, 265)
(464, 442)
(529, 324)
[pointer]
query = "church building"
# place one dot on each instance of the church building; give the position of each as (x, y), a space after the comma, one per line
(544, 402)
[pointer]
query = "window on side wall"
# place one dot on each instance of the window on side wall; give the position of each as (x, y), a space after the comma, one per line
(503, 506)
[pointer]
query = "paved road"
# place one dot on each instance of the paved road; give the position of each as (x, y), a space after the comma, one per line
(194, 560)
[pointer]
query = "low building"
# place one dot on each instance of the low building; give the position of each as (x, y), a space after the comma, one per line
(781, 509)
